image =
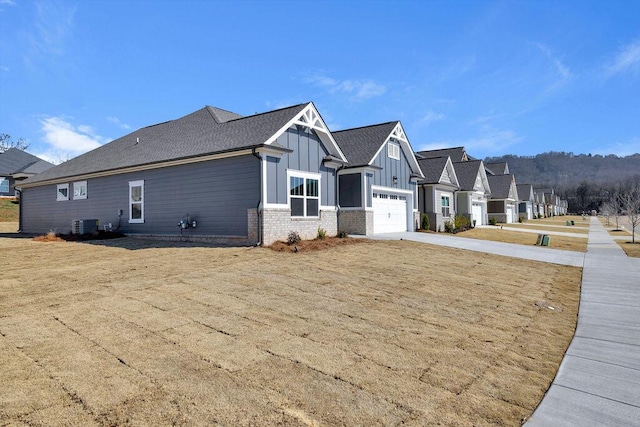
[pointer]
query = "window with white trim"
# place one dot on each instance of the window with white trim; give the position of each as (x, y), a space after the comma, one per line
(444, 201)
(393, 151)
(62, 192)
(136, 201)
(4, 185)
(79, 190)
(304, 196)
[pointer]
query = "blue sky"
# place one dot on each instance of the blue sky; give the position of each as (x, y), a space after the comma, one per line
(499, 77)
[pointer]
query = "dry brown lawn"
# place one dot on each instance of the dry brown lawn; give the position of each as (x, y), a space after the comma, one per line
(562, 220)
(540, 227)
(496, 234)
(8, 227)
(632, 249)
(386, 333)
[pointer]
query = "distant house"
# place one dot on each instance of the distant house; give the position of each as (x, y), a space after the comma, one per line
(504, 198)
(501, 168)
(526, 201)
(377, 188)
(17, 165)
(436, 191)
(472, 196)
(457, 154)
(211, 174)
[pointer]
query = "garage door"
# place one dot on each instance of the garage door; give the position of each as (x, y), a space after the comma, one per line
(509, 214)
(476, 213)
(389, 212)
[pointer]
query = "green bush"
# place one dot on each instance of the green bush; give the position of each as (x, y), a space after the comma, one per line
(293, 238)
(460, 222)
(449, 227)
(322, 233)
(493, 220)
(424, 222)
(342, 234)
(520, 219)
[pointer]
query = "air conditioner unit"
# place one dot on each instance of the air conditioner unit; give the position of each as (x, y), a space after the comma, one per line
(84, 226)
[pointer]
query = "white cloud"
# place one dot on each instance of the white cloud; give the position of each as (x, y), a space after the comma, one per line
(430, 117)
(53, 29)
(9, 2)
(627, 59)
(358, 90)
(64, 140)
(489, 141)
(117, 122)
(4, 68)
(560, 69)
(621, 149)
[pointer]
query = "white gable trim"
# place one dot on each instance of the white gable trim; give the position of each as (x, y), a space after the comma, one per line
(485, 181)
(399, 135)
(448, 168)
(310, 118)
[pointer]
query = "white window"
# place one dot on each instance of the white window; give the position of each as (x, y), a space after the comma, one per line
(445, 206)
(63, 192)
(4, 185)
(79, 190)
(393, 151)
(136, 201)
(304, 195)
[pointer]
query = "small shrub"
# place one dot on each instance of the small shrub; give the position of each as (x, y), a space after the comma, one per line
(424, 222)
(322, 233)
(493, 220)
(460, 223)
(293, 238)
(449, 227)
(342, 234)
(520, 219)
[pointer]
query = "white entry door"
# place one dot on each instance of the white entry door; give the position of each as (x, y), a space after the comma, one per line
(389, 212)
(476, 213)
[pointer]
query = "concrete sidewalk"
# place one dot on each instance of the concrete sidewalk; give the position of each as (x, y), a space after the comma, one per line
(535, 253)
(598, 382)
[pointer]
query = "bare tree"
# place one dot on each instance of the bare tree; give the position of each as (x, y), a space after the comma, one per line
(630, 201)
(614, 207)
(6, 142)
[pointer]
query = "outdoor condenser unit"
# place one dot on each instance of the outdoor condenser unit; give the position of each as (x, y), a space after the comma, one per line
(84, 226)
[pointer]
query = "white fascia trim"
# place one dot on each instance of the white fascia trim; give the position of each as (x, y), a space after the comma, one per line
(361, 169)
(131, 169)
(309, 117)
(270, 151)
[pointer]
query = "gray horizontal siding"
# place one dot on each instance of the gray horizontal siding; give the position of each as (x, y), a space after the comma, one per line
(216, 194)
(307, 155)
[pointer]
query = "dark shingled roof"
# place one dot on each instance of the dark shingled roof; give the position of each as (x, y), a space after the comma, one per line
(457, 154)
(524, 191)
(432, 169)
(467, 172)
(360, 145)
(206, 131)
(501, 168)
(500, 186)
(15, 161)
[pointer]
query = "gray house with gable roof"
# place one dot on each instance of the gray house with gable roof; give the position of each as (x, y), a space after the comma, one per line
(221, 176)
(436, 190)
(377, 188)
(473, 194)
(17, 165)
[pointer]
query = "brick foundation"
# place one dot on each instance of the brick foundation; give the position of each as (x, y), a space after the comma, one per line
(356, 222)
(277, 224)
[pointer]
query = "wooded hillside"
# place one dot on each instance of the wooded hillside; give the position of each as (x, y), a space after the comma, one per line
(560, 169)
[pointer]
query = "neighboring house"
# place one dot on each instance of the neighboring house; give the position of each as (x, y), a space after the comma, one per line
(550, 201)
(377, 189)
(540, 205)
(504, 198)
(457, 154)
(526, 201)
(436, 191)
(17, 165)
(472, 197)
(239, 180)
(501, 168)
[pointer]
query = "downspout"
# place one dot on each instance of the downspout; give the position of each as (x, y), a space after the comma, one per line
(258, 207)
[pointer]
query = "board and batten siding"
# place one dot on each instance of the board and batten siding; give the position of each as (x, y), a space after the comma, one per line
(216, 194)
(390, 168)
(308, 153)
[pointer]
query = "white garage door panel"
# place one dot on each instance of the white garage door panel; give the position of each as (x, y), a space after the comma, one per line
(509, 214)
(389, 213)
(476, 213)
